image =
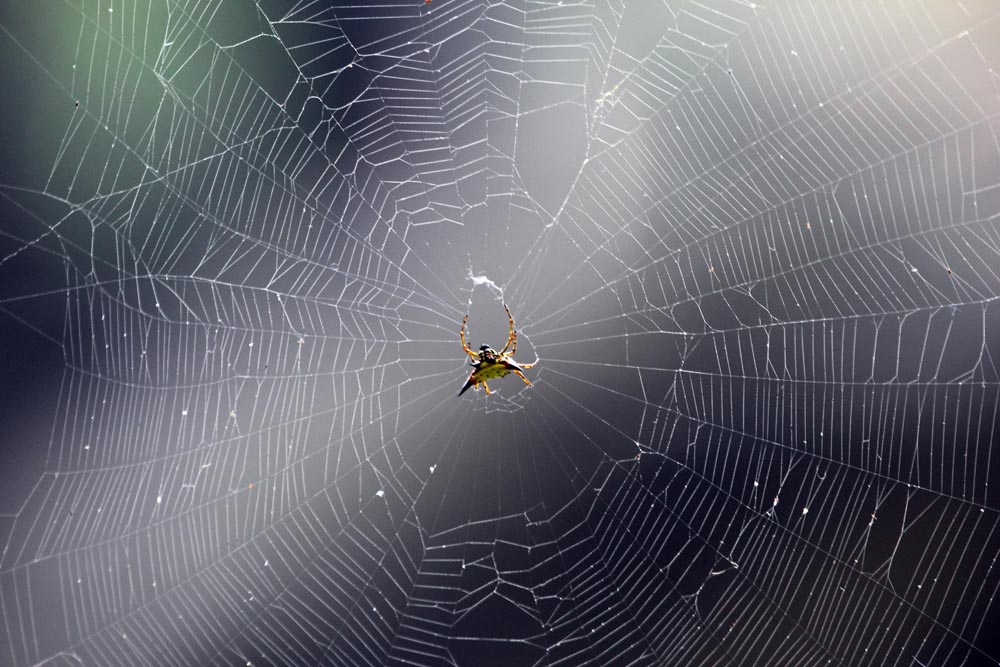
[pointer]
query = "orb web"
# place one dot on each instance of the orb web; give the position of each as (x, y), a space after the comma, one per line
(753, 247)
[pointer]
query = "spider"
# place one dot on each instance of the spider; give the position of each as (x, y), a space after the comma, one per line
(490, 364)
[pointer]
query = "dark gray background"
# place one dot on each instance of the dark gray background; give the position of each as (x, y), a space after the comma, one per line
(753, 248)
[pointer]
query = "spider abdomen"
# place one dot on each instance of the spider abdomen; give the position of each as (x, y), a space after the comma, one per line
(492, 371)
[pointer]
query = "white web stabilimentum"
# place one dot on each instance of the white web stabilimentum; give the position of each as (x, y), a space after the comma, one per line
(753, 247)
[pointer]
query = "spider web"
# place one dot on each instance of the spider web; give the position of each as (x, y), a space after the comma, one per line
(753, 246)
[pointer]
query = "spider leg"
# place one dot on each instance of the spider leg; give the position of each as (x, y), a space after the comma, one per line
(512, 336)
(486, 387)
(521, 375)
(465, 346)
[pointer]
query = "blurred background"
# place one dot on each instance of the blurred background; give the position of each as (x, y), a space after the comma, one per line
(752, 249)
